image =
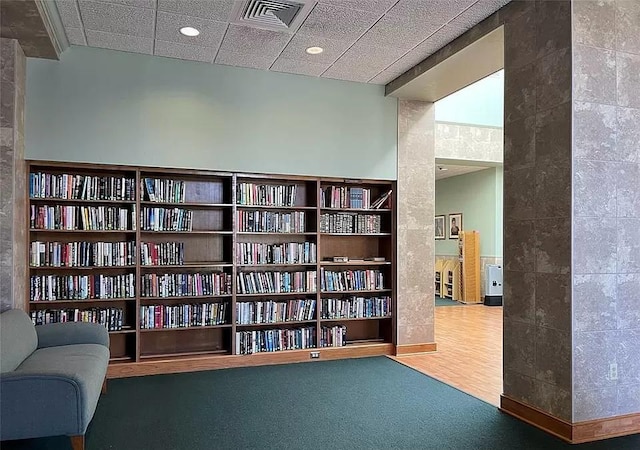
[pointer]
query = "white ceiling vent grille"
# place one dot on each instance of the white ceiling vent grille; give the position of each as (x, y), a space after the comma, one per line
(278, 15)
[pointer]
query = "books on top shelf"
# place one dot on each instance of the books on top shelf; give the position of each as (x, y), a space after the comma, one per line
(162, 253)
(81, 287)
(166, 219)
(335, 336)
(271, 222)
(350, 223)
(185, 284)
(97, 218)
(284, 253)
(276, 282)
(257, 341)
(253, 194)
(355, 307)
(351, 280)
(162, 190)
(110, 318)
(81, 187)
(350, 197)
(82, 254)
(183, 315)
(273, 312)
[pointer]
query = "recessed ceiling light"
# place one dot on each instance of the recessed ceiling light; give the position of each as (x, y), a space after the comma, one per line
(189, 31)
(315, 50)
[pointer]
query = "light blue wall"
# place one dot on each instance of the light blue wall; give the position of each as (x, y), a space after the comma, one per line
(478, 196)
(481, 103)
(111, 107)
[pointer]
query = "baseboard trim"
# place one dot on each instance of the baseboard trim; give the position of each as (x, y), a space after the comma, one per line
(539, 419)
(407, 349)
(574, 433)
(610, 427)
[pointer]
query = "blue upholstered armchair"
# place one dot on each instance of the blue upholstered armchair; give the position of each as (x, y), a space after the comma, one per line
(50, 377)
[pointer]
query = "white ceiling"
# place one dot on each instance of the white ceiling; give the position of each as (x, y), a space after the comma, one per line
(371, 41)
(447, 170)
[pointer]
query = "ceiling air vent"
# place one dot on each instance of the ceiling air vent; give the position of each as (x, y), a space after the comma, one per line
(278, 15)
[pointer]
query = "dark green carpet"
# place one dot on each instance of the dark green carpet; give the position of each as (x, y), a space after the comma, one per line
(372, 403)
(446, 302)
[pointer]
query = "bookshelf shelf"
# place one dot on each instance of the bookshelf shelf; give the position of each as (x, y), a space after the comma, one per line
(214, 206)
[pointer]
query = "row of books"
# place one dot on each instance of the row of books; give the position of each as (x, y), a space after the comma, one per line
(351, 280)
(185, 284)
(166, 219)
(110, 318)
(161, 253)
(345, 197)
(276, 282)
(284, 253)
(162, 190)
(335, 336)
(350, 223)
(81, 287)
(273, 312)
(82, 254)
(182, 316)
(258, 341)
(81, 187)
(355, 307)
(271, 222)
(61, 217)
(266, 194)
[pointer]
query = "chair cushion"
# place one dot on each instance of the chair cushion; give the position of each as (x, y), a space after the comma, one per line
(86, 364)
(18, 337)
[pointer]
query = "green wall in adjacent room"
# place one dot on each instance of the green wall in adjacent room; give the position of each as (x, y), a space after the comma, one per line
(478, 196)
(112, 107)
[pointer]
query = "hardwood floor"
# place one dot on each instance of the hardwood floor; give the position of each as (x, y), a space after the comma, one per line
(469, 355)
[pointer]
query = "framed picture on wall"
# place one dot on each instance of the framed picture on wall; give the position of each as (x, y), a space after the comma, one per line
(455, 225)
(440, 224)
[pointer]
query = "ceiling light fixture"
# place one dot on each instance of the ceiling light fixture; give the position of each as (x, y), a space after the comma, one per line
(315, 50)
(189, 31)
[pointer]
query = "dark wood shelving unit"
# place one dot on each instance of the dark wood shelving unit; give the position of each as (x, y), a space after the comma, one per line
(213, 198)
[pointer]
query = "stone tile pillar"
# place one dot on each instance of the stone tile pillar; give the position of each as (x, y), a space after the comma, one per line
(13, 233)
(416, 239)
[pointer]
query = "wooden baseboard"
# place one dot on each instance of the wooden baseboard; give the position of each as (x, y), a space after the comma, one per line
(199, 363)
(406, 349)
(574, 433)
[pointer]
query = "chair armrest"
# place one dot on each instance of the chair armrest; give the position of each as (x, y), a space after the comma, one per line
(69, 333)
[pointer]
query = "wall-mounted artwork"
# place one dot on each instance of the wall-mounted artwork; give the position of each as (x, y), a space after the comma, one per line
(440, 227)
(455, 225)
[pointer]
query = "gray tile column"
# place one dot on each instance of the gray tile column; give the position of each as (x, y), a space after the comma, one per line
(416, 209)
(13, 202)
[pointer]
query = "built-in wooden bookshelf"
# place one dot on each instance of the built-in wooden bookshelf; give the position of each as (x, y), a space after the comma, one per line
(220, 269)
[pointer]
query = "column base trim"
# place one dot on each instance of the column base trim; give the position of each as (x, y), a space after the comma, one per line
(574, 433)
(407, 349)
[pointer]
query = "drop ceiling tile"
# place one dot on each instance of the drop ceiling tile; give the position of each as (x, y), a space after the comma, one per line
(168, 29)
(253, 41)
(111, 18)
(364, 5)
(75, 36)
(299, 67)
(399, 32)
(183, 51)
(337, 23)
(219, 10)
(385, 77)
(239, 60)
(371, 56)
(122, 42)
(348, 72)
(134, 3)
(296, 49)
(432, 11)
(69, 14)
(477, 13)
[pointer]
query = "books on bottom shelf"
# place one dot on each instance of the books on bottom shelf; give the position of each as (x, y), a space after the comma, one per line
(258, 341)
(182, 316)
(248, 313)
(110, 318)
(335, 336)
